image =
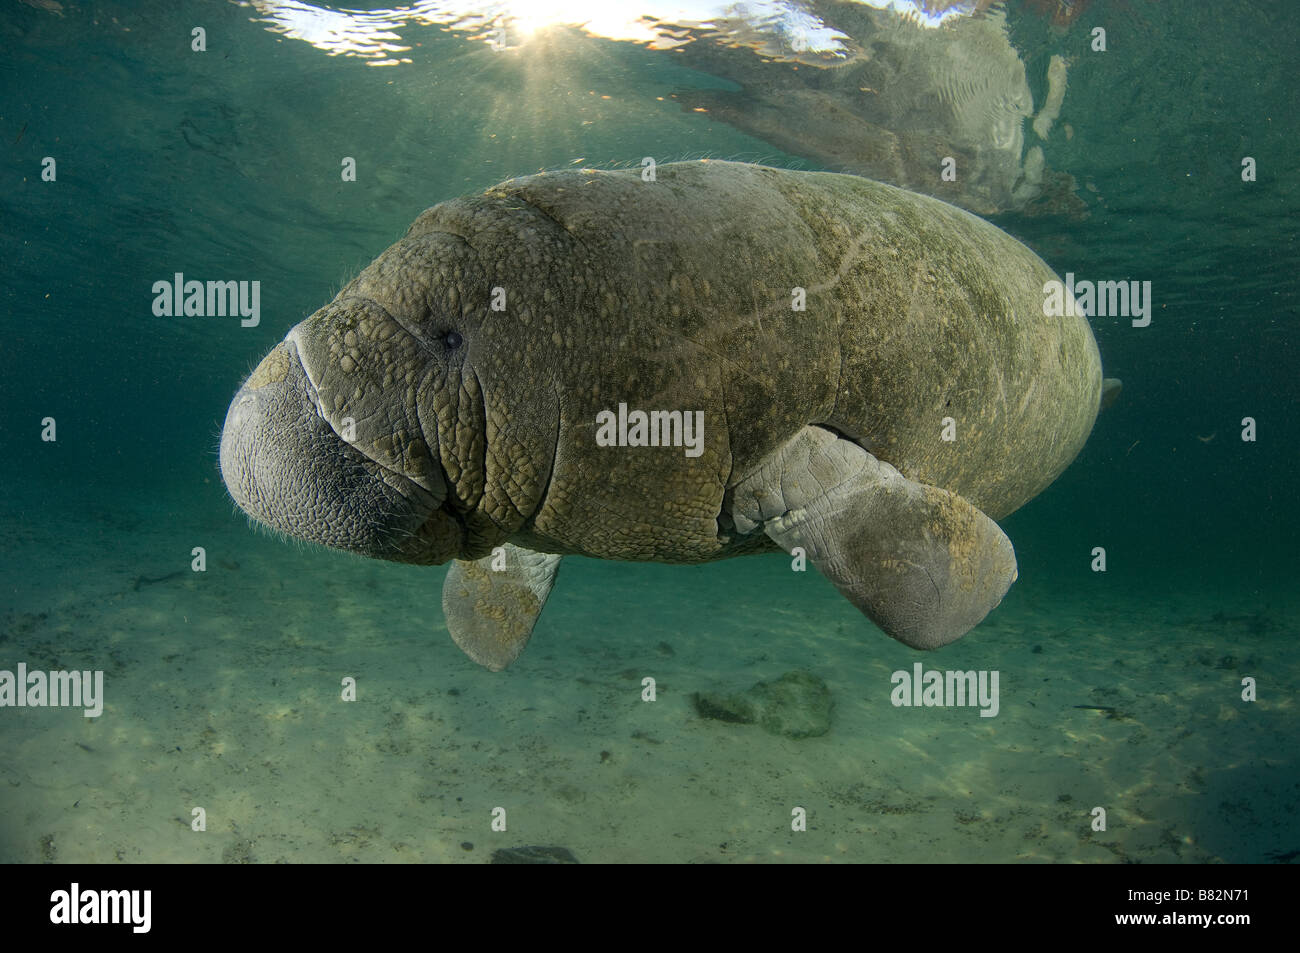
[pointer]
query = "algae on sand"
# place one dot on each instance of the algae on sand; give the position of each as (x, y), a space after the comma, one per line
(796, 705)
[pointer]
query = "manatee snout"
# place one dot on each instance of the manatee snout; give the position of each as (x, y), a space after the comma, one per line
(286, 466)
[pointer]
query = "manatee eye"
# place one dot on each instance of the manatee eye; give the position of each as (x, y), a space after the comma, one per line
(452, 340)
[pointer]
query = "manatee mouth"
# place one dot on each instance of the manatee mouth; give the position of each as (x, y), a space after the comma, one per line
(287, 467)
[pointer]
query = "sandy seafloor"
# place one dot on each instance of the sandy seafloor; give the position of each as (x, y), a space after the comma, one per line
(223, 692)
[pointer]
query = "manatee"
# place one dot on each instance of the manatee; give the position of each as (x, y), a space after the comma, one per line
(716, 360)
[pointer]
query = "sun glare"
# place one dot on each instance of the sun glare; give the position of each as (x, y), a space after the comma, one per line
(377, 35)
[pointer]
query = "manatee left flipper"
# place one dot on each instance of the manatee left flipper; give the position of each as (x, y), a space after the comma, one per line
(921, 562)
(491, 613)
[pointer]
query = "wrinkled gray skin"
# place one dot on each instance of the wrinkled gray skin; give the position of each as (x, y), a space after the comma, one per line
(474, 429)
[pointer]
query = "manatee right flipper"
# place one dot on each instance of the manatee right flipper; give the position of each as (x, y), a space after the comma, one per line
(921, 562)
(491, 613)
